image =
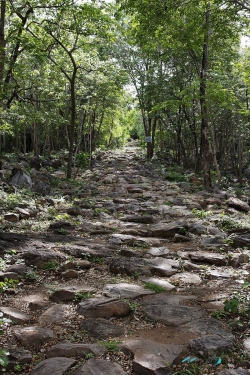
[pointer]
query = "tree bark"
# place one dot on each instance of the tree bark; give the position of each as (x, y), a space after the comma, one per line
(2, 41)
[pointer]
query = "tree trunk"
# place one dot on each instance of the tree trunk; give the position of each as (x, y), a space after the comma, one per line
(72, 123)
(2, 42)
(205, 155)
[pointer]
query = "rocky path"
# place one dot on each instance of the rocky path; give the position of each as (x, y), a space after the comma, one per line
(128, 282)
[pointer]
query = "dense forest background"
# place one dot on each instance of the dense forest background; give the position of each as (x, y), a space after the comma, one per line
(80, 75)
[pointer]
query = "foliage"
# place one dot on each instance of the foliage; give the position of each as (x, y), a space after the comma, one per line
(155, 288)
(110, 345)
(229, 223)
(3, 352)
(201, 214)
(6, 284)
(134, 306)
(51, 265)
(79, 296)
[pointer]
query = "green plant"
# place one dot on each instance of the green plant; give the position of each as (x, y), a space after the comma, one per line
(62, 217)
(82, 160)
(6, 284)
(110, 345)
(182, 231)
(62, 231)
(154, 287)
(232, 306)
(51, 265)
(31, 275)
(229, 223)
(98, 260)
(134, 306)
(89, 355)
(18, 367)
(4, 361)
(82, 295)
(201, 214)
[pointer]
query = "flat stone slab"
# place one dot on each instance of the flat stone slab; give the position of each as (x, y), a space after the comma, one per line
(55, 366)
(129, 266)
(33, 336)
(101, 328)
(99, 367)
(158, 251)
(20, 356)
(64, 293)
(37, 301)
(186, 278)
(103, 307)
(238, 371)
(163, 283)
(167, 230)
(54, 315)
(15, 315)
(164, 267)
(211, 345)
(69, 349)
(210, 326)
(166, 309)
(208, 257)
(124, 290)
(154, 358)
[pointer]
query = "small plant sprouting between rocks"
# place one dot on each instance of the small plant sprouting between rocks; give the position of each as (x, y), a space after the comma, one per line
(51, 265)
(82, 295)
(110, 345)
(31, 275)
(3, 352)
(6, 284)
(229, 223)
(134, 306)
(154, 287)
(201, 214)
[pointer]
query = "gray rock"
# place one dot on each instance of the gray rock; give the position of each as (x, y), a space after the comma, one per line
(33, 336)
(36, 301)
(102, 329)
(154, 358)
(18, 355)
(129, 266)
(69, 349)
(238, 204)
(211, 345)
(15, 315)
(238, 371)
(186, 278)
(159, 251)
(198, 229)
(68, 293)
(162, 283)
(20, 269)
(56, 314)
(39, 256)
(41, 188)
(10, 275)
(167, 230)
(99, 367)
(166, 309)
(208, 257)
(212, 242)
(55, 366)
(103, 307)
(21, 178)
(123, 290)
(60, 225)
(11, 216)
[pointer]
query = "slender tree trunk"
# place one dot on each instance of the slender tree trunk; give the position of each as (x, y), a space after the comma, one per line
(205, 155)
(2, 42)
(72, 123)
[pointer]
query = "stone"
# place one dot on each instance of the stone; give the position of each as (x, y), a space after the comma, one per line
(198, 229)
(19, 269)
(186, 278)
(11, 216)
(41, 188)
(70, 274)
(162, 283)
(68, 293)
(211, 345)
(143, 219)
(159, 251)
(168, 230)
(212, 242)
(39, 256)
(241, 241)
(15, 315)
(36, 301)
(60, 225)
(238, 204)
(167, 309)
(78, 264)
(124, 290)
(246, 344)
(99, 367)
(164, 267)
(69, 349)
(210, 326)
(20, 356)
(103, 307)
(238, 371)
(21, 178)
(151, 358)
(56, 314)
(129, 266)
(33, 336)
(24, 214)
(101, 328)
(55, 366)
(208, 257)
(9, 276)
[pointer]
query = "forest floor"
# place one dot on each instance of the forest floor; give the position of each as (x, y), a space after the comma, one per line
(123, 270)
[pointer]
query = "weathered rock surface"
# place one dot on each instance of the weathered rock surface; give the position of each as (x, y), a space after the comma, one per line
(103, 308)
(56, 366)
(99, 367)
